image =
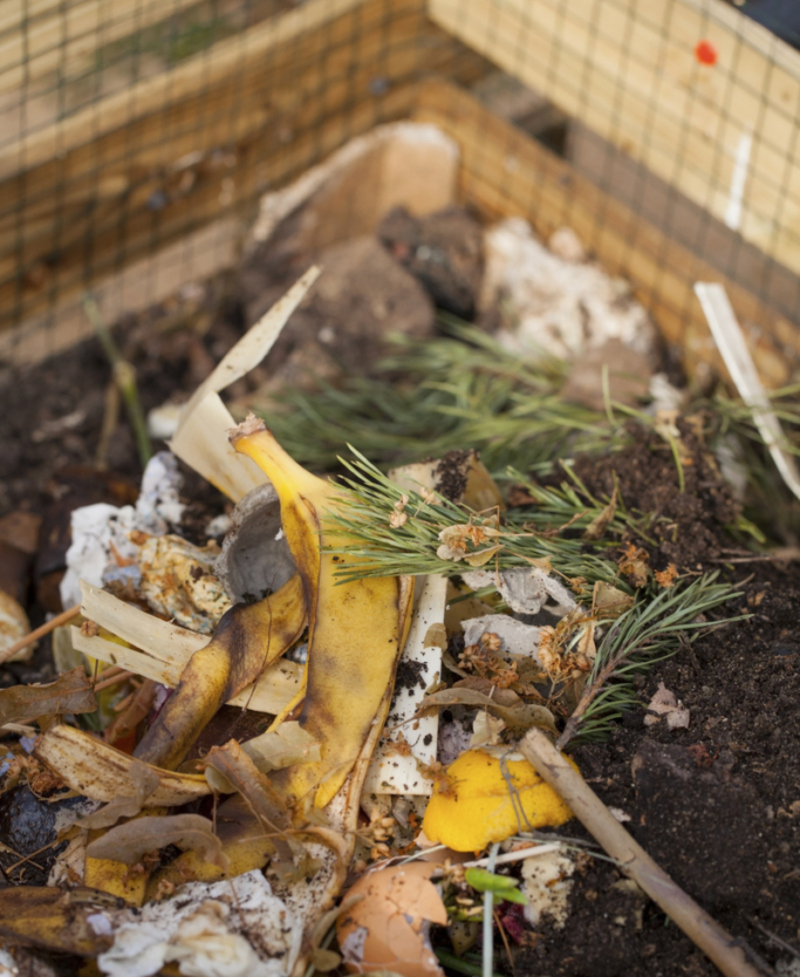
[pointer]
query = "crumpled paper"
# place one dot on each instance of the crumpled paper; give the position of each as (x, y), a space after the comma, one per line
(557, 304)
(101, 532)
(516, 638)
(526, 591)
(234, 928)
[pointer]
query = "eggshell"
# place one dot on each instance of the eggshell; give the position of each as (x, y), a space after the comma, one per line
(387, 929)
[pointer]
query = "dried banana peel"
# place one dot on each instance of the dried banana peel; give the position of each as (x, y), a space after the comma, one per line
(247, 639)
(114, 878)
(102, 773)
(356, 629)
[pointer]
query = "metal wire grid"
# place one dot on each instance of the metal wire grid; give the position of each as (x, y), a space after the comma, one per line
(156, 178)
(195, 156)
(687, 115)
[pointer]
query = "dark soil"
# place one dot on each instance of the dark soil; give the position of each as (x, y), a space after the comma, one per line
(686, 523)
(717, 804)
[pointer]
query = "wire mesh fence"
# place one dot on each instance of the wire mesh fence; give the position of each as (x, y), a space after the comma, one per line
(136, 138)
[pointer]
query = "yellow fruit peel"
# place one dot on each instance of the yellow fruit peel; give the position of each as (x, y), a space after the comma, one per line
(356, 629)
(248, 638)
(477, 802)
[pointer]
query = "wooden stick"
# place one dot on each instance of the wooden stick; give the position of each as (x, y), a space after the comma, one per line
(40, 632)
(106, 683)
(705, 932)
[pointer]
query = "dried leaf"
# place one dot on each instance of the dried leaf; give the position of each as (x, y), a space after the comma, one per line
(435, 636)
(522, 715)
(634, 563)
(482, 557)
(666, 578)
(609, 602)
(130, 842)
(486, 730)
(137, 709)
(237, 769)
(145, 780)
(70, 693)
(277, 748)
(599, 524)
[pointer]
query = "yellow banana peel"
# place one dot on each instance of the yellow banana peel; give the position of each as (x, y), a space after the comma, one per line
(115, 878)
(247, 639)
(356, 629)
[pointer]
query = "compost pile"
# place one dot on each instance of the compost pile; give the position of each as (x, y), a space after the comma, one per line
(285, 726)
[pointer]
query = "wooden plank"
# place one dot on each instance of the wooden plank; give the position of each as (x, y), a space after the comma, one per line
(65, 35)
(203, 72)
(629, 72)
(140, 284)
(131, 190)
(504, 172)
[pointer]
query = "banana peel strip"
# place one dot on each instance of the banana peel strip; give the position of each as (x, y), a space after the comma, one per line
(356, 630)
(247, 638)
(166, 650)
(201, 440)
(102, 773)
(52, 918)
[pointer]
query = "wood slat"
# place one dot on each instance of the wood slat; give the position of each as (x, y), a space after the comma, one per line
(180, 163)
(506, 173)
(63, 37)
(629, 72)
(202, 72)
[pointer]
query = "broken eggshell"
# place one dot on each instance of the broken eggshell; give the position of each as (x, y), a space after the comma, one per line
(255, 558)
(388, 928)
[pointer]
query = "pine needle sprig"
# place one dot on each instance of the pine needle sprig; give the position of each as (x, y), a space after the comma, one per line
(379, 547)
(462, 390)
(651, 630)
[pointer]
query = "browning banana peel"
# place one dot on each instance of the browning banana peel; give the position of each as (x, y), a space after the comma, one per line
(356, 629)
(247, 639)
(114, 878)
(245, 844)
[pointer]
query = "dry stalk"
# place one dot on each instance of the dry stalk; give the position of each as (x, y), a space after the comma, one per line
(40, 632)
(634, 861)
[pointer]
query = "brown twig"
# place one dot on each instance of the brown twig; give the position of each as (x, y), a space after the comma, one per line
(590, 693)
(40, 632)
(110, 680)
(633, 860)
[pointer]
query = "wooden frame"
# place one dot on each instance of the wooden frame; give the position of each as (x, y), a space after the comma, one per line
(147, 166)
(504, 172)
(192, 148)
(628, 70)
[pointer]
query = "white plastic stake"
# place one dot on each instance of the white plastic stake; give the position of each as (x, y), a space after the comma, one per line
(732, 345)
(741, 164)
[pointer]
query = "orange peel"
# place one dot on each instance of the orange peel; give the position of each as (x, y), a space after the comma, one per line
(488, 797)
